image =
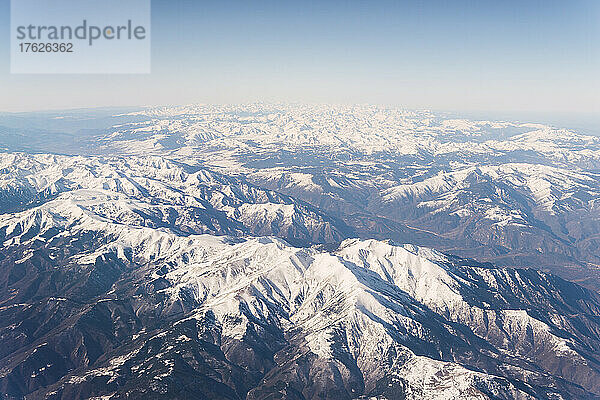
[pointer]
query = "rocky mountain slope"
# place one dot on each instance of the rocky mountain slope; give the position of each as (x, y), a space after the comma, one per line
(126, 311)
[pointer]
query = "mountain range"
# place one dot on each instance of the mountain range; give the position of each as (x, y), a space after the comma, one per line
(298, 252)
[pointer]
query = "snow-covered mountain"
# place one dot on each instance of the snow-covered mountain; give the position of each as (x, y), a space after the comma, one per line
(511, 193)
(133, 311)
(300, 252)
(157, 193)
(348, 130)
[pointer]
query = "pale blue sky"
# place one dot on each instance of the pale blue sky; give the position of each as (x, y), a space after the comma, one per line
(471, 56)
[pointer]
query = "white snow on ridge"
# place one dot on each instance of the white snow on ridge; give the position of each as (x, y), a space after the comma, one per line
(365, 129)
